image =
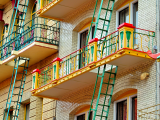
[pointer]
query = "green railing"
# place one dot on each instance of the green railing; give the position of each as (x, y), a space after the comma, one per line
(38, 29)
(143, 40)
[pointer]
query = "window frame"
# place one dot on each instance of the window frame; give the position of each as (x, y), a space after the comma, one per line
(75, 117)
(79, 34)
(33, 13)
(130, 5)
(26, 110)
(129, 115)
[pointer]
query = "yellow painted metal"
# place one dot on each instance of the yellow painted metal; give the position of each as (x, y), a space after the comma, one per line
(47, 7)
(93, 44)
(56, 73)
(92, 66)
(35, 85)
(125, 29)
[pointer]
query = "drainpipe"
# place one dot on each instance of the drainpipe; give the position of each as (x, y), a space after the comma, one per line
(158, 50)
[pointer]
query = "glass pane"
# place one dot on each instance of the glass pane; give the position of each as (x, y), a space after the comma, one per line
(121, 17)
(83, 39)
(122, 110)
(91, 114)
(127, 15)
(134, 108)
(124, 16)
(81, 117)
(93, 29)
(27, 111)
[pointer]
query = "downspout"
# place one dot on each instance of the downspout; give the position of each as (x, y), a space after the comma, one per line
(158, 50)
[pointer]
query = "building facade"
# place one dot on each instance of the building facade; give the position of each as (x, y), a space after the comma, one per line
(65, 59)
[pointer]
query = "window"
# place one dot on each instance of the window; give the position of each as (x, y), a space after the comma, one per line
(124, 16)
(27, 112)
(83, 43)
(122, 110)
(134, 108)
(83, 113)
(81, 117)
(17, 30)
(33, 14)
(128, 15)
(125, 106)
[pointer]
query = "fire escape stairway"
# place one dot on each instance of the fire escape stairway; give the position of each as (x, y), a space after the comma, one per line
(101, 29)
(16, 92)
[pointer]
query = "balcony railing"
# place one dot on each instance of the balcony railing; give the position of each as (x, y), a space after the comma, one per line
(142, 40)
(46, 2)
(38, 29)
(150, 113)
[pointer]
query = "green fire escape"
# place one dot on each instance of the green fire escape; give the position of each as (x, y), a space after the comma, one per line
(18, 77)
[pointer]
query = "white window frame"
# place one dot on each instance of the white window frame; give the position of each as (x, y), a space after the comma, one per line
(115, 107)
(131, 12)
(130, 106)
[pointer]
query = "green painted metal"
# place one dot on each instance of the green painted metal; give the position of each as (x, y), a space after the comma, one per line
(22, 14)
(104, 105)
(105, 21)
(29, 35)
(121, 36)
(128, 34)
(13, 86)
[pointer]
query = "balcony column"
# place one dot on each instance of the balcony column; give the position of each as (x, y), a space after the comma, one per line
(56, 64)
(126, 35)
(93, 50)
(35, 75)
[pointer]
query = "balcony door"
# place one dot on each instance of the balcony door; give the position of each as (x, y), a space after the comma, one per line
(83, 40)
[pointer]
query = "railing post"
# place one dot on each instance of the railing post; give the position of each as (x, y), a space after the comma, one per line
(56, 65)
(35, 75)
(126, 35)
(93, 50)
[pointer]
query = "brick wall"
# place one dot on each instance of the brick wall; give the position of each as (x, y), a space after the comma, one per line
(126, 80)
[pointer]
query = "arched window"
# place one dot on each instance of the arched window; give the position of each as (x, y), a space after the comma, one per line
(83, 113)
(33, 14)
(126, 106)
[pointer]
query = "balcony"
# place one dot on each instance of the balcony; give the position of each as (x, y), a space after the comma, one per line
(59, 9)
(39, 40)
(124, 48)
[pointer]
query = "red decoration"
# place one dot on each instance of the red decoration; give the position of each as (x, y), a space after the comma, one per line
(154, 56)
(93, 40)
(36, 70)
(1, 15)
(57, 59)
(126, 25)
